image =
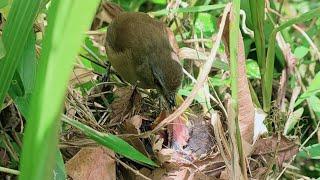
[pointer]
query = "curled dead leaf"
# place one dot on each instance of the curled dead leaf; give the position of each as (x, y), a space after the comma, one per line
(92, 163)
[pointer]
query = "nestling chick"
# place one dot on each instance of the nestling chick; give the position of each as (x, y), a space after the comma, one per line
(139, 50)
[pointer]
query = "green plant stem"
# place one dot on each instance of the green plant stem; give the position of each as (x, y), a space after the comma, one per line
(234, 41)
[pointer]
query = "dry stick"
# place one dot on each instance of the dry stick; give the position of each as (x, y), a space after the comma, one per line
(201, 78)
(136, 172)
(216, 100)
(220, 139)
(9, 171)
(286, 51)
(188, 41)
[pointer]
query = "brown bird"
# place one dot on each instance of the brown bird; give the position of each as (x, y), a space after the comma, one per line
(139, 50)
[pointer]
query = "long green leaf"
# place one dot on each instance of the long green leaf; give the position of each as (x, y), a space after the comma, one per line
(67, 22)
(25, 77)
(16, 31)
(112, 142)
(257, 14)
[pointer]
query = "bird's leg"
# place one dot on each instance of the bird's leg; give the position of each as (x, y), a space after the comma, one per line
(106, 76)
(160, 103)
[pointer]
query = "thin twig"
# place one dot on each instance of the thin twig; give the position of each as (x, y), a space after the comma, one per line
(136, 172)
(9, 171)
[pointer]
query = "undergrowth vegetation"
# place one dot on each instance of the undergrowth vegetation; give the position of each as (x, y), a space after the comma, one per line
(248, 105)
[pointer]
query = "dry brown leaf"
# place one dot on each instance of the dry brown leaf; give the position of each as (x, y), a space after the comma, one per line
(268, 146)
(157, 142)
(180, 174)
(246, 108)
(165, 155)
(136, 122)
(92, 163)
(160, 118)
(127, 101)
(245, 104)
(132, 126)
(81, 75)
(259, 172)
(225, 174)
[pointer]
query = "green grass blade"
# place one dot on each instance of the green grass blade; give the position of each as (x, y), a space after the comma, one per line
(268, 77)
(24, 77)
(3, 3)
(257, 8)
(67, 22)
(257, 14)
(18, 26)
(112, 142)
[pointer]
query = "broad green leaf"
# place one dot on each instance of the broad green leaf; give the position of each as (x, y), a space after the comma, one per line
(314, 102)
(293, 119)
(313, 89)
(186, 92)
(218, 81)
(252, 69)
(112, 142)
(93, 51)
(220, 65)
(67, 23)
(16, 87)
(310, 152)
(15, 34)
(25, 77)
(300, 52)
(3, 3)
(205, 23)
